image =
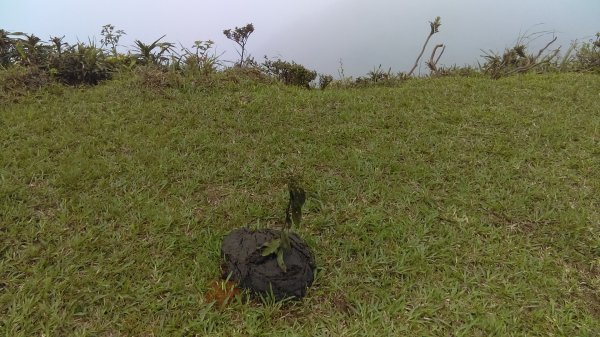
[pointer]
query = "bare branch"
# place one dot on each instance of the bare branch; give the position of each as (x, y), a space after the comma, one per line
(545, 47)
(432, 63)
(546, 59)
(435, 25)
(440, 55)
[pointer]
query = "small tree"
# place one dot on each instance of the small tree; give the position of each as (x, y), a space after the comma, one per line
(289, 73)
(58, 44)
(111, 38)
(293, 216)
(240, 36)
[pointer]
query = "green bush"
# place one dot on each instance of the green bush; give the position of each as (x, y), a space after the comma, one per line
(156, 53)
(458, 71)
(201, 60)
(7, 49)
(155, 77)
(18, 80)
(324, 81)
(245, 74)
(80, 64)
(120, 62)
(73, 65)
(379, 77)
(587, 57)
(23, 49)
(290, 73)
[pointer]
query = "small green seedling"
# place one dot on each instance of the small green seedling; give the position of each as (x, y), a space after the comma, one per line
(293, 216)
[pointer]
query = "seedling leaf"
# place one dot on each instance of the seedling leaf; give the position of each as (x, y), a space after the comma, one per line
(271, 247)
(280, 261)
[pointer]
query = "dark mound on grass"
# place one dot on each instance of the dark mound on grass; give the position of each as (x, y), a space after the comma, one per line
(242, 250)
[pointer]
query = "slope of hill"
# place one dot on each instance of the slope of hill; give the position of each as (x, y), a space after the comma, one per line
(451, 206)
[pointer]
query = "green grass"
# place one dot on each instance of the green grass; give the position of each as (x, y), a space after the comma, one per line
(451, 206)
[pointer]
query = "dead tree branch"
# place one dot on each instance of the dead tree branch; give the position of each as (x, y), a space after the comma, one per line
(534, 62)
(432, 63)
(435, 26)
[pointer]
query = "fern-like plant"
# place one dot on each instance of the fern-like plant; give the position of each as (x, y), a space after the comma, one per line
(146, 54)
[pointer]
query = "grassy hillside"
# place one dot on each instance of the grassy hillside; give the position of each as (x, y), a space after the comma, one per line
(450, 206)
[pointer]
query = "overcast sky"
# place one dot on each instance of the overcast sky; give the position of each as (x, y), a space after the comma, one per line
(316, 33)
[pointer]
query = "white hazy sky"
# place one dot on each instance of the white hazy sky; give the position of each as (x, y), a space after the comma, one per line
(316, 33)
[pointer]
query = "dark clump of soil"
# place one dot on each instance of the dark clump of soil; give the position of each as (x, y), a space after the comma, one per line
(245, 265)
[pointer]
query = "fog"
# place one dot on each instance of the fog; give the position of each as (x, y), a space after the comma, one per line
(318, 34)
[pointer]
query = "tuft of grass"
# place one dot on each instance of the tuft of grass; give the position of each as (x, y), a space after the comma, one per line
(445, 206)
